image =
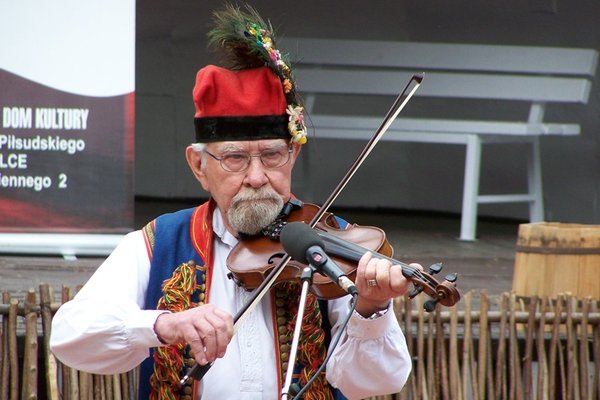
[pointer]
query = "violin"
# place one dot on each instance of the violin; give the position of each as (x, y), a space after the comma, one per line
(253, 258)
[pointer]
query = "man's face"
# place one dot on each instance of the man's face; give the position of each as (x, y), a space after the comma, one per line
(249, 199)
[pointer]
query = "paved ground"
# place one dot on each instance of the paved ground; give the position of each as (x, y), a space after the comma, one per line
(486, 263)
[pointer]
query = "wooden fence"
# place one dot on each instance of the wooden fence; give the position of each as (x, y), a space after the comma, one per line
(28, 370)
(516, 348)
(487, 347)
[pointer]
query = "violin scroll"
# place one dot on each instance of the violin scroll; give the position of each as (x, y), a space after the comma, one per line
(444, 293)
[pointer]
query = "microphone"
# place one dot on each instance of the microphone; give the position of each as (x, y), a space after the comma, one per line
(304, 245)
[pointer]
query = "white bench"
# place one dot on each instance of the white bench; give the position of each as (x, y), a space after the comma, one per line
(531, 76)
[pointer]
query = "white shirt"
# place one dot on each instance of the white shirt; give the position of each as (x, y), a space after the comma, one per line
(104, 330)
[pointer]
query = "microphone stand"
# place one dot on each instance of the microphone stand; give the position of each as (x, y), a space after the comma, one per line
(306, 279)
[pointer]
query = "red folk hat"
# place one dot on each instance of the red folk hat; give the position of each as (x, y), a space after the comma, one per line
(256, 97)
(247, 104)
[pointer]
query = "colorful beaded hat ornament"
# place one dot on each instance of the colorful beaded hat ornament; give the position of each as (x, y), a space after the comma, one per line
(255, 96)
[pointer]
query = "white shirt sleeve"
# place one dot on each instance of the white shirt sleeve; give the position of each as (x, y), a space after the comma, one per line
(103, 329)
(371, 358)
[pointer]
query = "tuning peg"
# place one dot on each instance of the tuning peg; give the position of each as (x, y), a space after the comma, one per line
(435, 268)
(429, 305)
(451, 277)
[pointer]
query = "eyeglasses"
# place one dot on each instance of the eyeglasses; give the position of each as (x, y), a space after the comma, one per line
(240, 161)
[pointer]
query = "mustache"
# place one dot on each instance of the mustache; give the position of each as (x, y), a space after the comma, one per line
(250, 194)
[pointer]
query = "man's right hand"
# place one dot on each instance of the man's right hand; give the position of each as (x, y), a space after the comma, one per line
(207, 329)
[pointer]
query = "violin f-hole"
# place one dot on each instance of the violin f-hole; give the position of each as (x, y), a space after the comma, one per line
(275, 258)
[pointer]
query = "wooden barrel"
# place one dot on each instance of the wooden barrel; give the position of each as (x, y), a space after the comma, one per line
(555, 258)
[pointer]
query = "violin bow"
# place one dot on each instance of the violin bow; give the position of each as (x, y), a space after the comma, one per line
(198, 371)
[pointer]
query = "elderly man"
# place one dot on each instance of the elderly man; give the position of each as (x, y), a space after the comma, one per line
(163, 298)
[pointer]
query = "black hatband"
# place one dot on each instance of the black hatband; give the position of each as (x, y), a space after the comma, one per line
(219, 129)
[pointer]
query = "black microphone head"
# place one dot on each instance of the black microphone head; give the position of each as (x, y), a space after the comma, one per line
(297, 237)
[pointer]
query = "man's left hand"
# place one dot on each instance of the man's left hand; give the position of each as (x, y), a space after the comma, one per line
(378, 281)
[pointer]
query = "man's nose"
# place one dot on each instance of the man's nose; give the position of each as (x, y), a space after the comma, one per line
(255, 174)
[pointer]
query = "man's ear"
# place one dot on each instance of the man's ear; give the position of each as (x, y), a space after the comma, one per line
(194, 160)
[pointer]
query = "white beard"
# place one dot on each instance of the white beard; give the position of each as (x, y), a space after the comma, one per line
(251, 210)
